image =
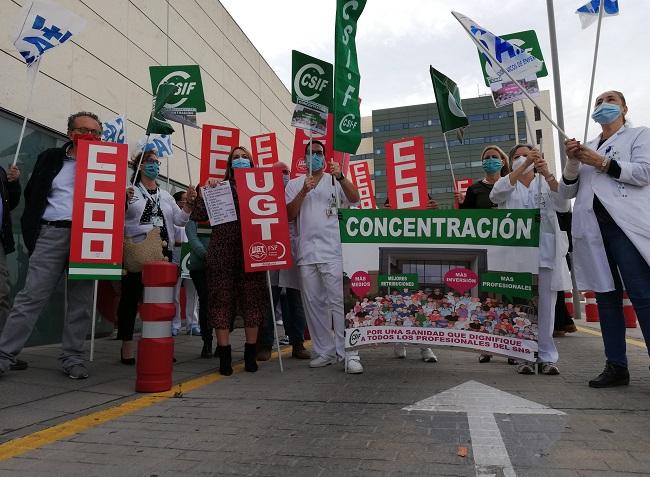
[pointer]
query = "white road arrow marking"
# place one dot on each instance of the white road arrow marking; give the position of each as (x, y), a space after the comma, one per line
(481, 403)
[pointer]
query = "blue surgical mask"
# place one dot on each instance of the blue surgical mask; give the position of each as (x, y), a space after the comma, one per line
(241, 163)
(492, 164)
(317, 161)
(151, 170)
(606, 113)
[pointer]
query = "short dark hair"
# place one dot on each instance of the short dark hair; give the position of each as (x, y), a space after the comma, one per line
(178, 195)
(314, 141)
(80, 114)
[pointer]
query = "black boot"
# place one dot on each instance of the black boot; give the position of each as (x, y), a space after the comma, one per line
(225, 360)
(206, 352)
(250, 357)
(611, 376)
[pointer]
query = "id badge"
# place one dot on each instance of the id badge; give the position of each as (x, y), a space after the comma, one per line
(157, 221)
(331, 211)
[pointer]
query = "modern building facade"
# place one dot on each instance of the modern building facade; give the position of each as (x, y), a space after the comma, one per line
(488, 125)
(105, 69)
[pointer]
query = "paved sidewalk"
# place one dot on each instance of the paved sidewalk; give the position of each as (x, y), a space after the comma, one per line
(324, 423)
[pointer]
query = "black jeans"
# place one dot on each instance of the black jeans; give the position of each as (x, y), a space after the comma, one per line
(201, 284)
(127, 309)
(293, 317)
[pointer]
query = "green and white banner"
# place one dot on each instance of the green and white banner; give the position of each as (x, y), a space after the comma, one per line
(188, 91)
(507, 283)
(513, 227)
(312, 82)
(347, 117)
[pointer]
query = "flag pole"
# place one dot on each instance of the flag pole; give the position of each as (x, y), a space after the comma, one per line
(523, 90)
(275, 325)
(167, 157)
(137, 169)
(27, 109)
(451, 167)
(593, 68)
(92, 326)
(528, 127)
(187, 158)
(310, 144)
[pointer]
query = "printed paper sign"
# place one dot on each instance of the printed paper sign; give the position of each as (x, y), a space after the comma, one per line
(220, 203)
(264, 223)
(406, 173)
(310, 119)
(216, 144)
(360, 177)
(98, 211)
(430, 313)
(507, 283)
(461, 279)
(264, 149)
(406, 280)
(461, 186)
(360, 283)
(189, 87)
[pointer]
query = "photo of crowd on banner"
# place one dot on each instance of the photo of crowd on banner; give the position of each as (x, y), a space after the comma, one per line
(426, 308)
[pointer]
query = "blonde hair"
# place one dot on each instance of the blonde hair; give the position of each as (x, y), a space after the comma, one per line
(505, 170)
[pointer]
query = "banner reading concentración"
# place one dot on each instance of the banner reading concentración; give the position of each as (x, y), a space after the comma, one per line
(454, 259)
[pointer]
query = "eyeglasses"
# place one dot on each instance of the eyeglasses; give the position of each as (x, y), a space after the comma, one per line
(286, 172)
(94, 132)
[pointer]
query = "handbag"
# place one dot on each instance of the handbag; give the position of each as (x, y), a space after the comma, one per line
(136, 254)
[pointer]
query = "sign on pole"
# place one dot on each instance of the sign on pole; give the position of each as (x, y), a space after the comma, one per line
(360, 177)
(312, 80)
(98, 211)
(216, 144)
(263, 218)
(186, 79)
(406, 173)
(264, 148)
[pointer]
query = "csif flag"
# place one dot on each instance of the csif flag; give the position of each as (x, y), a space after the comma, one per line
(448, 102)
(157, 123)
(115, 130)
(518, 62)
(588, 13)
(43, 26)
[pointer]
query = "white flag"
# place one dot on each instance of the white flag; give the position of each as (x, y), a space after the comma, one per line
(42, 26)
(161, 143)
(115, 130)
(516, 61)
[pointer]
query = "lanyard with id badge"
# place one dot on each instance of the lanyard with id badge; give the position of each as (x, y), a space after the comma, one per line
(156, 219)
(333, 203)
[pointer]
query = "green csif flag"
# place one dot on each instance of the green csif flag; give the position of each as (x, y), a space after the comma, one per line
(347, 117)
(448, 102)
(157, 123)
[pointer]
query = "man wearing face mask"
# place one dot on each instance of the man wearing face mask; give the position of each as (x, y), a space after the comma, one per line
(313, 202)
(46, 223)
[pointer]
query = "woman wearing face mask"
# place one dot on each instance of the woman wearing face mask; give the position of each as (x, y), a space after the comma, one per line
(230, 289)
(495, 164)
(609, 178)
(151, 214)
(531, 185)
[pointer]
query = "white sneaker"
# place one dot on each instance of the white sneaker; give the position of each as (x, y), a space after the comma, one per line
(399, 350)
(321, 361)
(353, 365)
(428, 356)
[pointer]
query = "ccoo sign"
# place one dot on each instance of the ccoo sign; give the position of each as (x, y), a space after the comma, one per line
(312, 80)
(187, 79)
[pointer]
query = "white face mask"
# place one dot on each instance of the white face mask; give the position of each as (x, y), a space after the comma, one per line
(519, 161)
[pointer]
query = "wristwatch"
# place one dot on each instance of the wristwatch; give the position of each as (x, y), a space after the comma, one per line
(340, 178)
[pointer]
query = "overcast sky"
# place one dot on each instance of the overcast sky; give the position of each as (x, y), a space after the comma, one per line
(396, 42)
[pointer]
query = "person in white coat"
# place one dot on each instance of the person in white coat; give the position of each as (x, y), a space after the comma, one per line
(609, 178)
(531, 185)
(313, 201)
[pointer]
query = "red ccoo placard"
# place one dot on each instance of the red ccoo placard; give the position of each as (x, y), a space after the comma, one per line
(406, 174)
(263, 218)
(98, 211)
(264, 149)
(216, 144)
(360, 177)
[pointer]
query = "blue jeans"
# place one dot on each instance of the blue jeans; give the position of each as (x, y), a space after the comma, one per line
(635, 272)
(293, 317)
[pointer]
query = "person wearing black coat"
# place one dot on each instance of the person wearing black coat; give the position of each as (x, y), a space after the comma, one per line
(9, 199)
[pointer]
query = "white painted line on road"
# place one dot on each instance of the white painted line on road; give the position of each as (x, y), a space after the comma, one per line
(481, 403)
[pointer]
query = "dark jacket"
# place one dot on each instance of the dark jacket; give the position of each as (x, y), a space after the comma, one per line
(48, 165)
(10, 196)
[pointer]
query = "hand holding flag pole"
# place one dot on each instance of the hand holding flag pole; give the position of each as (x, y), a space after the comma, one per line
(486, 51)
